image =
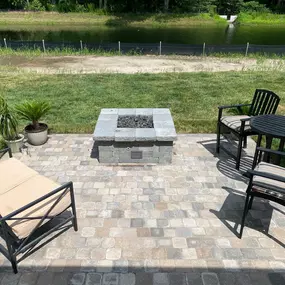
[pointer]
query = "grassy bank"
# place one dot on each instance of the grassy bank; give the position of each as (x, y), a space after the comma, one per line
(192, 97)
(35, 53)
(261, 18)
(54, 18)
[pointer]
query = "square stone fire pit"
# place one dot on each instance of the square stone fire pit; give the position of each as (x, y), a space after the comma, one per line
(135, 136)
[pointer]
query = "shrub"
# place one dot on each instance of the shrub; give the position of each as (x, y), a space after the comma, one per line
(65, 6)
(212, 10)
(90, 7)
(253, 6)
(51, 7)
(79, 8)
(34, 5)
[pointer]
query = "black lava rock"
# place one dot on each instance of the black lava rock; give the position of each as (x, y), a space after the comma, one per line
(135, 122)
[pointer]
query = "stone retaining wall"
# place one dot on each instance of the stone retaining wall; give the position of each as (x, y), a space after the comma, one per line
(135, 152)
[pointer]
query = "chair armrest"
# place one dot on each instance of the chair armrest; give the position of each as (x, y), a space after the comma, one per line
(266, 175)
(245, 119)
(221, 108)
(233, 106)
(277, 152)
(5, 150)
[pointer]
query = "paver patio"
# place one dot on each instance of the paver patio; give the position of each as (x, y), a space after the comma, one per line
(155, 224)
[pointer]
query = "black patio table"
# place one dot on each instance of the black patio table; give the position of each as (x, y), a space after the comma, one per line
(270, 126)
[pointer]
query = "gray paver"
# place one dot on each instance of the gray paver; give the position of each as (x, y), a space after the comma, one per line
(127, 279)
(45, 278)
(160, 279)
(177, 278)
(210, 278)
(10, 279)
(28, 279)
(77, 279)
(93, 279)
(143, 278)
(110, 279)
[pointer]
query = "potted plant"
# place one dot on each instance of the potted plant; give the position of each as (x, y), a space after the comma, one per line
(8, 127)
(33, 111)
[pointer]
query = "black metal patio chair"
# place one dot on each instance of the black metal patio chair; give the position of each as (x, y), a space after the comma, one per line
(267, 181)
(33, 210)
(264, 102)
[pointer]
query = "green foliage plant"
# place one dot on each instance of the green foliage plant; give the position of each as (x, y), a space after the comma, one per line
(8, 121)
(33, 111)
(34, 5)
(254, 7)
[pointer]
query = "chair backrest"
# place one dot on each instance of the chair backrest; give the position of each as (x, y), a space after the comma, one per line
(264, 102)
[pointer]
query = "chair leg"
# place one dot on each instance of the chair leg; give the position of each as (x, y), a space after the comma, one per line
(74, 221)
(218, 138)
(239, 153)
(14, 266)
(245, 210)
(245, 142)
(75, 226)
(250, 202)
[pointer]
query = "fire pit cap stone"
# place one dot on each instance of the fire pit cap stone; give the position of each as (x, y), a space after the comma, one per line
(125, 135)
(109, 111)
(144, 112)
(125, 112)
(106, 128)
(145, 134)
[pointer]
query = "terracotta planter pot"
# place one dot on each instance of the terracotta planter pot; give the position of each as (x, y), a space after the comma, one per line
(37, 137)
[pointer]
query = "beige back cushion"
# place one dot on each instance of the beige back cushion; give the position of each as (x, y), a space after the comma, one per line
(13, 173)
(21, 186)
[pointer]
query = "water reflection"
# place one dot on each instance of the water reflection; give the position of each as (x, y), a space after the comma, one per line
(230, 30)
(232, 34)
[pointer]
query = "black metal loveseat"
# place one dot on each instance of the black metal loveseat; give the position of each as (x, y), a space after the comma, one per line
(33, 209)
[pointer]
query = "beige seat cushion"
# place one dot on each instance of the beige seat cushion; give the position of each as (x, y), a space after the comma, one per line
(22, 185)
(13, 173)
(270, 169)
(234, 122)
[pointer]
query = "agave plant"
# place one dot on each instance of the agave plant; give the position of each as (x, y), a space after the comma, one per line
(8, 121)
(33, 111)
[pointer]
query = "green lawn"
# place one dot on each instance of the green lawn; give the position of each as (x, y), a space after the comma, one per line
(28, 20)
(261, 18)
(192, 97)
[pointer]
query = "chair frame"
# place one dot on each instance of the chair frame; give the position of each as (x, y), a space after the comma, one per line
(250, 194)
(264, 102)
(28, 245)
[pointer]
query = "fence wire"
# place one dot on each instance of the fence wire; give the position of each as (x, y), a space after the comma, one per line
(148, 48)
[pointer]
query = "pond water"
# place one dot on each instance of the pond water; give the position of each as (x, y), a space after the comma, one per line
(217, 34)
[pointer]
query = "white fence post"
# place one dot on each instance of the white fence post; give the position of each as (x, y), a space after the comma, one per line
(5, 43)
(160, 47)
(246, 51)
(119, 46)
(204, 48)
(81, 46)
(44, 48)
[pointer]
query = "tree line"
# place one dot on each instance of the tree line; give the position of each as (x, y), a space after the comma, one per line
(146, 6)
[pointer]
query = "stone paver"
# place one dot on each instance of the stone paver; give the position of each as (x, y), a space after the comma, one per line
(154, 224)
